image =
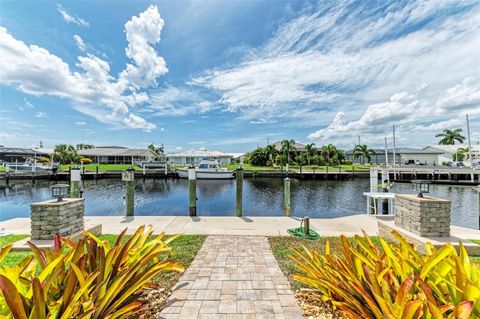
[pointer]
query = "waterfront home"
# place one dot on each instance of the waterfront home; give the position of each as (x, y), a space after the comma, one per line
(17, 154)
(403, 156)
(448, 152)
(117, 155)
(196, 156)
(298, 146)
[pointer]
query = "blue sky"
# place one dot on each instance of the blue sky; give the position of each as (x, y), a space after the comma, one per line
(230, 75)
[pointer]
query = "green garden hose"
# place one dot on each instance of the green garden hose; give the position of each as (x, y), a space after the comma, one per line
(299, 232)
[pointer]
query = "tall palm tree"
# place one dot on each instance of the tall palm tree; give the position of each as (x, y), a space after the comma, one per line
(461, 154)
(364, 152)
(311, 150)
(65, 154)
(288, 147)
(329, 151)
(271, 151)
(450, 136)
(157, 150)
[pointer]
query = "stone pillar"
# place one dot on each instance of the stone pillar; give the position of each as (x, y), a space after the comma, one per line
(423, 216)
(53, 217)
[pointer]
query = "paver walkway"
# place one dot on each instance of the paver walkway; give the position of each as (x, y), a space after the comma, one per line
(233, 277)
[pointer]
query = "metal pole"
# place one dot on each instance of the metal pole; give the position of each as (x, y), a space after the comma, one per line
(239, 207)
(192, 191)
(394, 155)
(286, 191)
(469, 144)
(166, 169)
(129, 179)
(75, 182)
(386, 153)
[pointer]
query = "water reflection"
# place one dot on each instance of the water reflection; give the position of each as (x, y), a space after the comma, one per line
(262, 197)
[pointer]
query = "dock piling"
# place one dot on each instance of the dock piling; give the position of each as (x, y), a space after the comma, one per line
(129, 178)
(239, 204)
(192, 191)
(75, 182)
(286, 190)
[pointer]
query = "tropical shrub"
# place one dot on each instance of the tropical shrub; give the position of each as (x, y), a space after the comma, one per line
(42, 159)
(86, 160)
(87, 279)
(318, 160)
(392, 281)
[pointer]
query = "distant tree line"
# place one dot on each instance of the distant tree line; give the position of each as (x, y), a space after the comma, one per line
(288, 154)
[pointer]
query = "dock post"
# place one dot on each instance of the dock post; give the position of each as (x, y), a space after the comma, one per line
(286, 190)
(166, 170)
(314, 173)
(7, 175)
(306, 225)
(192, 191)
(326, 173)
(96, 172)
(128, 177)
(239, 207)
(75, 182)
(353, 171)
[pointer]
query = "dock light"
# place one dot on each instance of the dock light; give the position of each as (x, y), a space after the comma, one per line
(59, 191)
(421, 186)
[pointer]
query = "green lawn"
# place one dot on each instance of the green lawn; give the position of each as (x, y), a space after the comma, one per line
(184, 250)
(103, 167)
(2, 168)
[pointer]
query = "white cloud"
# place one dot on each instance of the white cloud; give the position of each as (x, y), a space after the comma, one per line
(178, 101)
(93, 90)
(69, 18)
(351, 58)
(79, 42)
(81, 123)
(411, 113)
(462, 96)
(142, 32)
(41, 115)
(135, 121)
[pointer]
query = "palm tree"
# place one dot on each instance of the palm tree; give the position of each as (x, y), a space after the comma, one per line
(288, 147)
(364, 152)
(328, 152)
(271, 151)
(311, 150)
(65, 154)
(450, 136)
(461, 154)
(157, 150)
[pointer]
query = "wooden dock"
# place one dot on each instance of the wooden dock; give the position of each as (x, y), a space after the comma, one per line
(448, 176)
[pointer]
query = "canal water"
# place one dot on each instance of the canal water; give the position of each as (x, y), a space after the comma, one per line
(262, 197)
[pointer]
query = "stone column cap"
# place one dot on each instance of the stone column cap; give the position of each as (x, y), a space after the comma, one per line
(55, 202)
(424, 199)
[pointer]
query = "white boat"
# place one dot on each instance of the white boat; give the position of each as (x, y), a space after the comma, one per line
(29, 166)
(208, 169)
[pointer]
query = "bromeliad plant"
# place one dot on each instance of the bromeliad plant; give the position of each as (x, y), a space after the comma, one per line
(88, 279)
(392, 281)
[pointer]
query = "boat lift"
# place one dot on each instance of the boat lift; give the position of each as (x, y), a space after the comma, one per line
(379, 200)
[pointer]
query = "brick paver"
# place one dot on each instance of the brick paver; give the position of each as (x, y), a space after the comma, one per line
(233, 277)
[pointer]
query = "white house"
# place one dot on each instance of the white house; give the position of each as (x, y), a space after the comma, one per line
(448, 151)
(117, 154)
(403, 156)
(195, 157)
